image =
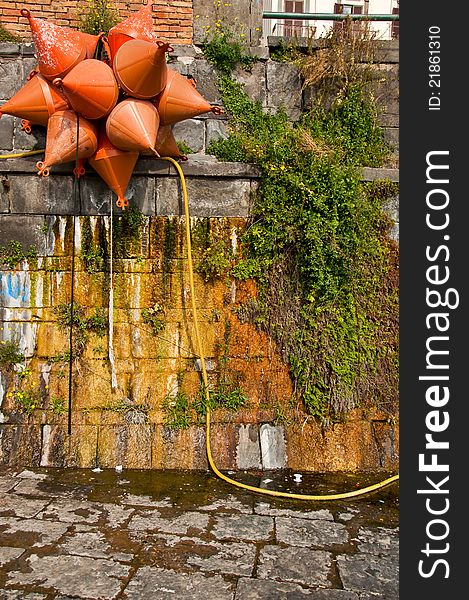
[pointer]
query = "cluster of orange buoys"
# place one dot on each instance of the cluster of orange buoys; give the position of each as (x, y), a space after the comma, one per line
(105, 99)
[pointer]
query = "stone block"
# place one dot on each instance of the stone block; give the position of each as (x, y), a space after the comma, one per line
(41, 195)
(253, 81)
(192, 133)
(284, 88)
(6, 133)
(182, 449)
(207, 197)
(215, 129)
(141, 194)
(36, 140)
(248, 453)
(11, 77)
(299, 565)
(20, 445)
(26, 229)
(244, 16)
(95, 195)
(128, 445)
(273, 448)
(206, 78)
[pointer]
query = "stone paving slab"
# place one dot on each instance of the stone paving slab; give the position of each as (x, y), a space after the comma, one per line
(229, 558)
(243, 527)
(304, 532)
(160, 584)
(26, 508)
(375, 574)
(301, 565)
(77, 575)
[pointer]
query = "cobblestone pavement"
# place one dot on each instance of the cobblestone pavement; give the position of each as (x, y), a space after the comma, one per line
(143, 535)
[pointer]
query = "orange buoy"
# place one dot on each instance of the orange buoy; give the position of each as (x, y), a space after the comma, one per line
(166, 144)
(58, 49)
(138, 26)
(35, 102)
(180, 100)
(61, 140)
(90, 41)
(140, 68)
(114, 166)
(90, 88)
(133, 126)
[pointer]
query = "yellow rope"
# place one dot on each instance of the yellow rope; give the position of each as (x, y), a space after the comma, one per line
(359, 492)
(20, 154)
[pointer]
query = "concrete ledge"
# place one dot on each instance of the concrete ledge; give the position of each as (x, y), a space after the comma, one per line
(386, 50)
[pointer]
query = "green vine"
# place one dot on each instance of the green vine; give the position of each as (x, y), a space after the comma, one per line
(318, 246)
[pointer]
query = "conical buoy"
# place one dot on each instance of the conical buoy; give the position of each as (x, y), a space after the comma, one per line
(58, 49)
(90, 41)
(140, 68)
(166, 144)
(90, 88)
(180, 100)
(35, 102)
(114, 166)
(138, 26)
(61, 141)
(133, 126)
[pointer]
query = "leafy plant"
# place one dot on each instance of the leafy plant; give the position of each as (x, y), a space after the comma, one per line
(13, 253)
(7, 36)
(178, 411)
(215, 261)
(57, 405)
(91, 254)
(97, 16)
(225, 49)
(127, 231)
(317, 245)
(154, 317)
(223, 396)
(184, 148)
(10, 354)
(82, 327)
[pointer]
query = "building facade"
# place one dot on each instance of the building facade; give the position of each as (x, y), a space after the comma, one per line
(385, 30)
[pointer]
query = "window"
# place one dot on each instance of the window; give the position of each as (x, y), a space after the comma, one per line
(347, 9)
(395, 25)
(292, 28)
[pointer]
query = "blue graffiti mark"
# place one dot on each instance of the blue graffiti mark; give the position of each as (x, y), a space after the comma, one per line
(16, 287)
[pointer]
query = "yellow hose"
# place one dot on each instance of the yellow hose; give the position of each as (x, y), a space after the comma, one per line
(21, 154)
(359, 492)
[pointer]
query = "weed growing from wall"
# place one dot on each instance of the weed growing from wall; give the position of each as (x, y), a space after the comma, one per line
(10, 354)
(97, 16)
(83, 326)
(6, 36)
(317, 245)
(12, 254)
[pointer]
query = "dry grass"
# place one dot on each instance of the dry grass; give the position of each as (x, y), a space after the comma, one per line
(345, 56)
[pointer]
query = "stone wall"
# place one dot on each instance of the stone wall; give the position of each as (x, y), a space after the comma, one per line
(172, 19)
(154, 367)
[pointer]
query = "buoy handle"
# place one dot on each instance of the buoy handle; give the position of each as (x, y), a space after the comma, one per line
(43, 170)
(79, 171)
(25, 125)
(122, 202)
(25, 13)
(57, 81)
(217, 110)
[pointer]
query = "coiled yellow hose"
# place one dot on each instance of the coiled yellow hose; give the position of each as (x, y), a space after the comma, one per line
(311, 497)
